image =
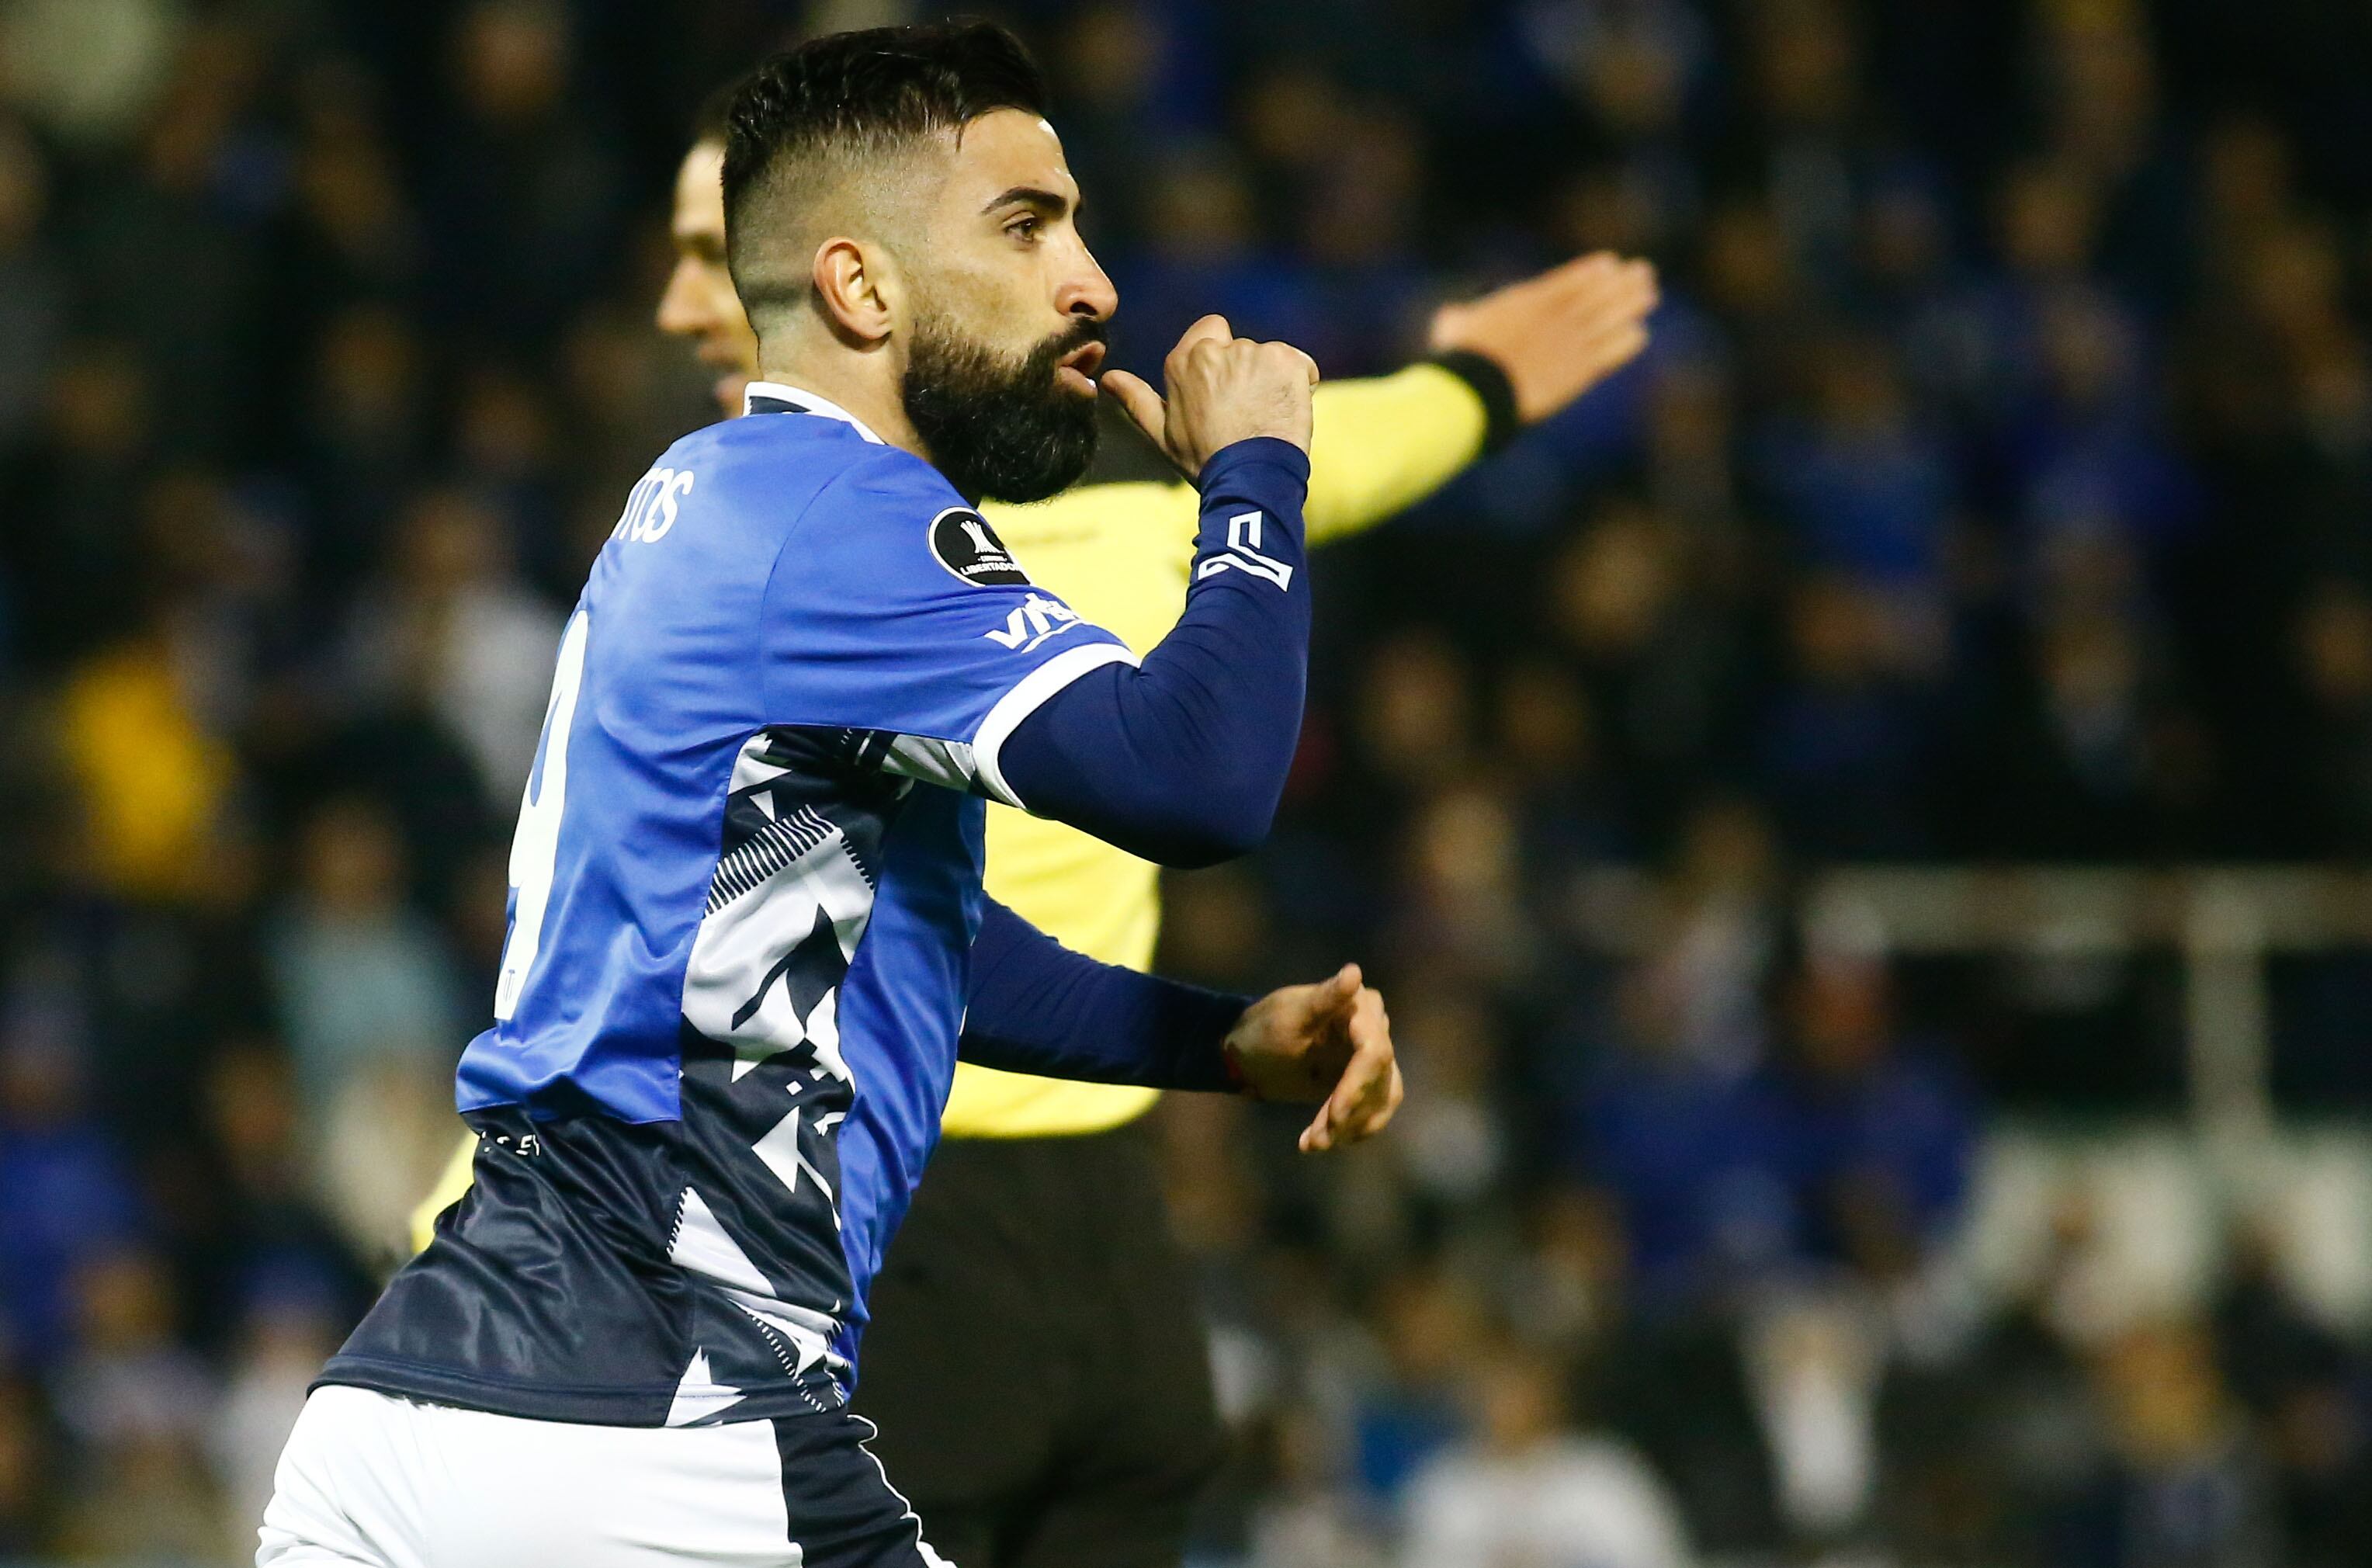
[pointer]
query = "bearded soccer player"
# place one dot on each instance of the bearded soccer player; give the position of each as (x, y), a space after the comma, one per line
(748, 936)
(1040, 1224)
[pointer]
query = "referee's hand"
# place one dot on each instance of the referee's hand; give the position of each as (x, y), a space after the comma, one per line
(1558, 334)
(1329, 1041)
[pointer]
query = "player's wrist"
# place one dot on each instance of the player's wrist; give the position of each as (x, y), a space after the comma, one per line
(1203, 1026)
(1253, 494)
(1253, 452)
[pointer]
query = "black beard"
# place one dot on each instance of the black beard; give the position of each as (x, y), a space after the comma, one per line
(1000, 432)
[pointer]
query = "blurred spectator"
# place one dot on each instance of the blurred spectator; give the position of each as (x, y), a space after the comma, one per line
(1466, 903)
(372, 1010)
(32, 286)
(169, 258)
(65, 1197)
(1528, 1489)
(1884, 1135)
(1866, 490)
(1849, 736)
(288, 1332)
(458, 629)
(2301, 1379)
(1431, 1328)
(1116, 65)
(351, 234)
(1692, 1152)
(129, 1381)
(2334, 641)
(1548, 742)
(2085, 759)
(80, 479)
(1659, 659)
(135, 1401)
(152, 774)
(28, 1495)
(2188, 1483)
(1812, 1365)
(522, 194)
(362, 438)
(1306, 1521)
(1453, 1149)
(1203, 254)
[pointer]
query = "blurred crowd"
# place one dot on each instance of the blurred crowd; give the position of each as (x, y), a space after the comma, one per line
(1996, 489)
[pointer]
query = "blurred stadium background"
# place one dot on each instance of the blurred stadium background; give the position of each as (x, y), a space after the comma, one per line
(1861, 822)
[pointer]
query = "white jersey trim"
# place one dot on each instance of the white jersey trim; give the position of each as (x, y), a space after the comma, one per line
(1028, 693)
(809, 403)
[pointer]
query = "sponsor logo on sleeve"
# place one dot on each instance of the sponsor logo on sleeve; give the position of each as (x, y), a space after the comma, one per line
(962, 541)
(1033, 621)
(1243, 554)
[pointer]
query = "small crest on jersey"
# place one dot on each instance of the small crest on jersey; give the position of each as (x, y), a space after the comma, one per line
(967, 546)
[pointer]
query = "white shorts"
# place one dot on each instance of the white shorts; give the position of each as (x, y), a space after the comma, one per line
(370, 1479)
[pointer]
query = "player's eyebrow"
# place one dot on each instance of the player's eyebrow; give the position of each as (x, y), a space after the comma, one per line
(1050, 204)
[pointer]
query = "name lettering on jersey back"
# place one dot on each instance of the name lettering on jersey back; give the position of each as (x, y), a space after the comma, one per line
(1037, 619)
(652, 506)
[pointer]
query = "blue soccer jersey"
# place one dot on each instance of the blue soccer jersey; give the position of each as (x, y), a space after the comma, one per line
(745, 883)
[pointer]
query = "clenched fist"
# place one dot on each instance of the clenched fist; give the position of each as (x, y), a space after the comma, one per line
(1223, 389)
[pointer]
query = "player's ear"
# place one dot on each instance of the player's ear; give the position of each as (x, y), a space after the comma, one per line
(853, 287)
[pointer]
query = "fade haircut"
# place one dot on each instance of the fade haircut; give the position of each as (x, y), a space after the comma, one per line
(809, 121)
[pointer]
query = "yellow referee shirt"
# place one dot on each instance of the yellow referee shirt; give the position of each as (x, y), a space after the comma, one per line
(1119, 554)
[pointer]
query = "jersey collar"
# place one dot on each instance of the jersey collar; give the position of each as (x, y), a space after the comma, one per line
(774, 397)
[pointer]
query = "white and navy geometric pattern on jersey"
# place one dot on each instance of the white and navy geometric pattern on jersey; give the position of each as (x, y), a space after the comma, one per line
(792, 891)
(744, 896)
(765, 1087)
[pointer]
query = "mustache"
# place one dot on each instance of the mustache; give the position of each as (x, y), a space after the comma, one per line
(1086, 330)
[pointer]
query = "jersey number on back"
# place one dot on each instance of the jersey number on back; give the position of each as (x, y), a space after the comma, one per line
(536, 844)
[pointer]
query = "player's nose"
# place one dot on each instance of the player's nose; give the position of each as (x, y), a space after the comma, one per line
(1087, 292)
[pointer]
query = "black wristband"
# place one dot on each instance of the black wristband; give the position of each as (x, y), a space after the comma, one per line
(1501, 422)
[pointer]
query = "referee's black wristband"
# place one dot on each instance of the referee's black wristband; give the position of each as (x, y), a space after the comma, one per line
(1501, 422)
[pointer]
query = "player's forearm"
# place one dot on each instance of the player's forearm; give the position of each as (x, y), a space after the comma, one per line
(1180, 760)
(1384, 444)
(1035, 1006)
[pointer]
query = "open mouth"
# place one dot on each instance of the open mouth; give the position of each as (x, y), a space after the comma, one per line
(1078, 368)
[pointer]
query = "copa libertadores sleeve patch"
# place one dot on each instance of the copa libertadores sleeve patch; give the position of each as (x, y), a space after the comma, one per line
(964, 543)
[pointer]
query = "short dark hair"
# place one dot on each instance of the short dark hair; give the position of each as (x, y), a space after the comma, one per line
(855, 95)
